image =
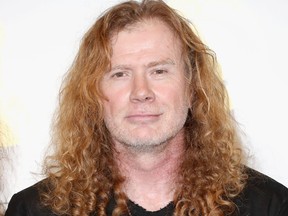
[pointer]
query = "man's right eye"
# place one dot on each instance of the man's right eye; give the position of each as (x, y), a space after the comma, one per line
(118, 74)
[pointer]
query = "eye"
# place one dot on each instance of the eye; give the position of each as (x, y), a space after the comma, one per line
(118, 74)
(160, 71)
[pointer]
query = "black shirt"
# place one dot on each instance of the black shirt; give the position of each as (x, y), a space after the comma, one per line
(262, 196)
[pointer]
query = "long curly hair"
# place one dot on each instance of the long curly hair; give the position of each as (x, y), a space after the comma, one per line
(82, 176)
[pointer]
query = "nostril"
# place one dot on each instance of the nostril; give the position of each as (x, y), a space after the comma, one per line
(142, 98)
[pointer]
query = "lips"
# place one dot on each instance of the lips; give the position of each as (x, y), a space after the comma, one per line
(143, 118)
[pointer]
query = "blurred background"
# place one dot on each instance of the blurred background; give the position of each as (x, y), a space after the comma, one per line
(38, 42)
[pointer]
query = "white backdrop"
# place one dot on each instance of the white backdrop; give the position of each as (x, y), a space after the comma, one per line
(39, 39)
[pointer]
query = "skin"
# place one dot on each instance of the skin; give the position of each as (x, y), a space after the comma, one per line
(145, 108)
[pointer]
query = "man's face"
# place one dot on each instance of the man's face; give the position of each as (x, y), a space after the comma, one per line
(146, 102)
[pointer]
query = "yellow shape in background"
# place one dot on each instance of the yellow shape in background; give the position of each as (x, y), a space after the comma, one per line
(8, 105)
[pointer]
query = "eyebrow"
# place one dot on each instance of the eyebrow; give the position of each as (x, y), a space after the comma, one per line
(120, 67)
(161, 62)
(167, 61)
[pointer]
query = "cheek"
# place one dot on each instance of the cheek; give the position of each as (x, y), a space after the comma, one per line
(114, 100)
(175, 95)
(114, 103)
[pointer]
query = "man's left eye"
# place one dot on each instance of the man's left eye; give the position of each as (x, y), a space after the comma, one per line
(160, 71)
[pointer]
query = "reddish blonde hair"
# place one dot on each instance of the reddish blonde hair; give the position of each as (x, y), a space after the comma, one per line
(82, 175)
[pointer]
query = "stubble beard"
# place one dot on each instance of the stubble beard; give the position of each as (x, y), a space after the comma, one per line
(156, 141)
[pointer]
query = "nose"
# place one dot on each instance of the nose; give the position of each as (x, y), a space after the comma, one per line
(141, 90)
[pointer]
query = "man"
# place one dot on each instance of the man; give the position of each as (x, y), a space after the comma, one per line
(144, 128)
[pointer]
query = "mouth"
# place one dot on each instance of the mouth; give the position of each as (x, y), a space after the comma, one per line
(143, 118)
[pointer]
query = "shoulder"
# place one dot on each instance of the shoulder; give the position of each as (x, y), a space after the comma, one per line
(262, 195)
(27, 202)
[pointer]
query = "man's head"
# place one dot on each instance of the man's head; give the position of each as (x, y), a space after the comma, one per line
(95, 56)
(145, 90)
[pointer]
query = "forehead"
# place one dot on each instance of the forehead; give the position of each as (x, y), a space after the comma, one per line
(147, 36)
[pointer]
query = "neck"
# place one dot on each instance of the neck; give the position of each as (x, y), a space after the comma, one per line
(150, 176)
